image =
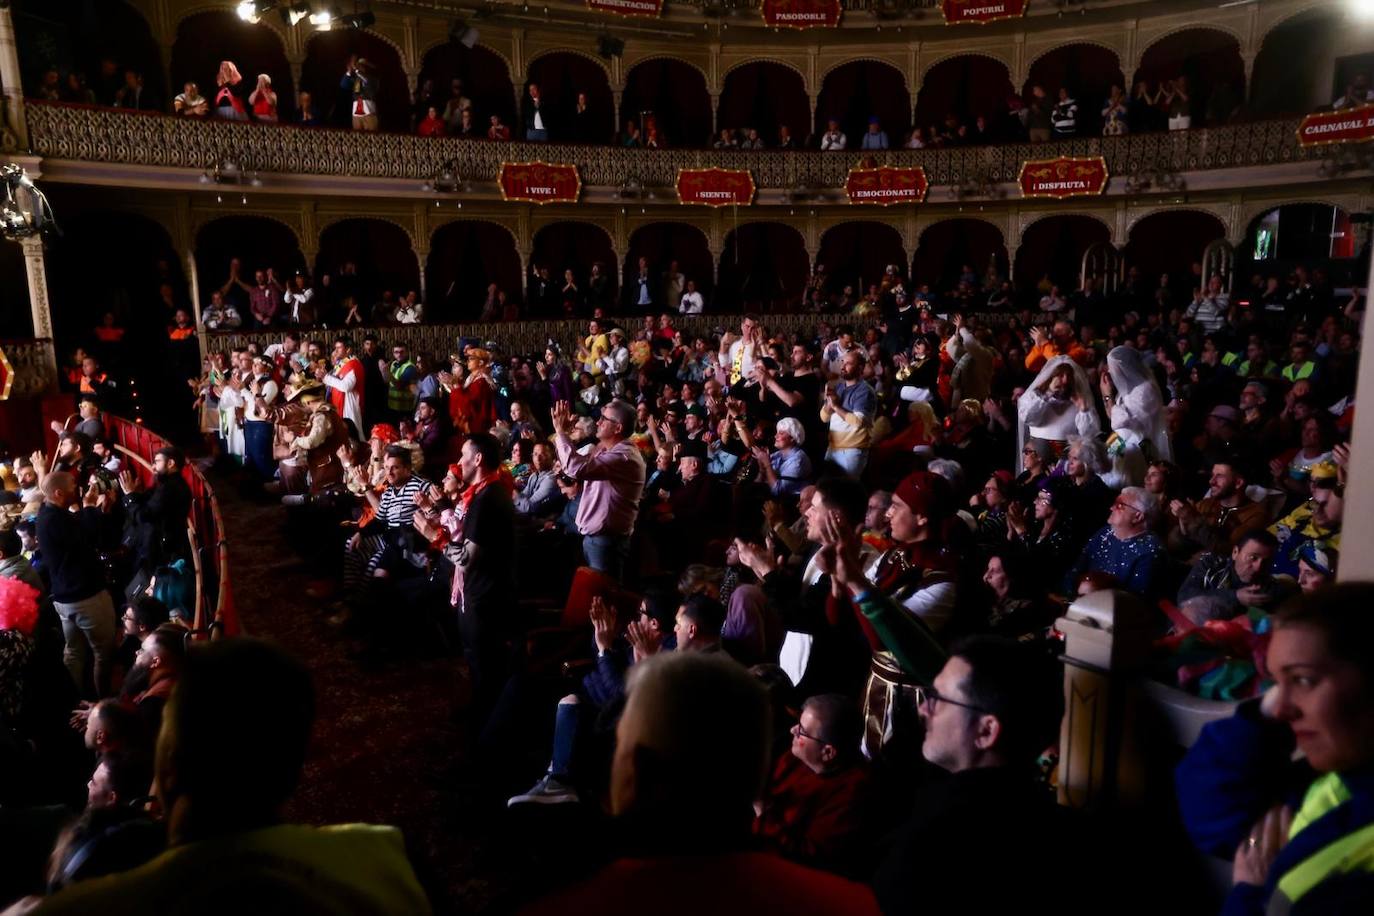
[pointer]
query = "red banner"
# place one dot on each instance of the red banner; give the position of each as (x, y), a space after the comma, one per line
(540, 182)
(1063, 177)
(1353, 125)
(958, 12)
(801, 14)
(6, 376)
(646, 8)
(715, 187)
(886, 186)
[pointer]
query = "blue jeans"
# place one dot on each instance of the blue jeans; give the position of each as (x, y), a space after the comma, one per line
(536, 135)
(607, 553)
(852, 460)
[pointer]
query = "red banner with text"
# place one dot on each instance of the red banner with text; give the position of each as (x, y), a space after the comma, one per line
(801, 14)
(981, 11)
(1063, 177)
(1352, 125)
(540, 182)
(649, 9)
(886, 186)
(715, 187)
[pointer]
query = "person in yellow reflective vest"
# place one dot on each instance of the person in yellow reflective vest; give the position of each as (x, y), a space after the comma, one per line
(1301, 833)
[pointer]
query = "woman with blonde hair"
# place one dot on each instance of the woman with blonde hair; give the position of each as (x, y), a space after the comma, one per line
(264, 100)
(228, 103)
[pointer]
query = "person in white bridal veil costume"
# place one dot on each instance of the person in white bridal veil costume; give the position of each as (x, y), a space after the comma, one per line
(1057, 405)
(1135, 407)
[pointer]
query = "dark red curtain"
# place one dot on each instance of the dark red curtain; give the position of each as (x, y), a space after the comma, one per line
(858, 253)
(464, 257)
(1170, 242)
(1089, 72)
(561, 76)
(948, 246)
(663, 243)
(1054, 247)
(763, 266)
(676, 94)
(859, 90)
(485, 76)
(1208, 58)
(763, 95)
(205, 39)
(1289, 63)
(76, 35)
(257, 241)
(965, 86)
(573, 246)
(326, 62)
(382, 251)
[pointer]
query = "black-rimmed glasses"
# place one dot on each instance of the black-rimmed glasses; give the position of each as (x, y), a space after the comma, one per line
(797, 730)
(931, 696)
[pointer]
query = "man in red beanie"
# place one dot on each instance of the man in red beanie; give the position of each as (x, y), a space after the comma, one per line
(918, 573)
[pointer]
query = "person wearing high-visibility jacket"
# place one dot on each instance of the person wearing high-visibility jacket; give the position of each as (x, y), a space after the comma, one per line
(1301, 834)
(401, 380)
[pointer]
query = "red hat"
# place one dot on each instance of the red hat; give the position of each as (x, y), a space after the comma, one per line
(385, 432)
(456, 470)
(923, 494)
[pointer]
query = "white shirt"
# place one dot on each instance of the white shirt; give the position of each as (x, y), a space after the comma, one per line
(268, 393)
(408, 314)
(691, 303)
(295, 299)
(538, 119)
(833, 141)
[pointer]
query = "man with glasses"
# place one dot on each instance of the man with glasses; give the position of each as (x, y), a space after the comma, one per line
(613, 480)
(1126, 549)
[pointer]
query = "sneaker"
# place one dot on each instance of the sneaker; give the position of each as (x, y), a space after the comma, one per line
(294, 500)
(547, 791)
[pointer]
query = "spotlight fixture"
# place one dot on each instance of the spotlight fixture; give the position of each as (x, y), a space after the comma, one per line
(324, 17)
(252, 10)
(24, 210)
(363, 20)
(292, 14)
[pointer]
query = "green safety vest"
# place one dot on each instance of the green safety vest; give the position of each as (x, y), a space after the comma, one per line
(1349, 853)
(1304, 371)
(400, 397)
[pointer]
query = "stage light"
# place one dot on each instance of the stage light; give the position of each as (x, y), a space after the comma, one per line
(324, 18)
(360, 20)
(252, 10)
(1362, 9)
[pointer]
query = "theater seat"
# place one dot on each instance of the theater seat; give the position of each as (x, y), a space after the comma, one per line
(548, 647)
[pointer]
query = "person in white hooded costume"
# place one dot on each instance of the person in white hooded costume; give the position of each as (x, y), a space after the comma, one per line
(1135, 407)
(1056, 406)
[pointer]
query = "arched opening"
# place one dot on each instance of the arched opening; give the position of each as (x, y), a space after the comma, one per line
(205, 39)
(663, 243)
(859, 90)
(675, 94)
(381, 250)
(1209, 61)
(1291, 75)
(573, 246)
(1310, 234)
(1169, 243)
(1087, 71)
(465, 256)
(16, 314)
(327, 55)
(561, 76)
(484, 75)
(965, 88)
(1052, 250)
(857, 254)
(947, 247)
(764, 95)
(257, 242)
(96, 41)
(763, 266)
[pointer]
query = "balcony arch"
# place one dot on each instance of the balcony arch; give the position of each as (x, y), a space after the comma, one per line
(117, 30)
(667, 241)
(253, 47)
(326, 62)
(1088, 69)
(1209, 58)
(258, 240)
(382, 250)
(570, 245)
(945, 247)
(675, 91)
(764, 94)
(965, 86)
(1287, 77)
(485, 74)
(1053, 246)
(857, 253)
(763, 266)
(561, 75)
(464, 257)
(854, 91)
(1170, 241)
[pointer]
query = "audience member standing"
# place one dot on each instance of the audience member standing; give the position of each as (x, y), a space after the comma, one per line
(613, 474)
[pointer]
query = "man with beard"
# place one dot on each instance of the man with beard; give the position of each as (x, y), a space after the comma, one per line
(158, 516)
(849, 409)
(347, 383)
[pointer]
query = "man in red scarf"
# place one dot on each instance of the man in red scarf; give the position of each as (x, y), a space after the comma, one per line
(472, 405)
(345, 383)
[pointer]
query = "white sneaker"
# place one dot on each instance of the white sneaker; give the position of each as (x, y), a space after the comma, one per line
(547, 791)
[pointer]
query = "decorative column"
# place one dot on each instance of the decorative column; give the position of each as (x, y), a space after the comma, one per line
(421, 256)
(13, 125)
(37, 272)
(616, 96)
(193, 281)
(715, 115)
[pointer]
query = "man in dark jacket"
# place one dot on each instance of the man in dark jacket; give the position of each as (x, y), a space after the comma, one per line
(77, 578)
(158, 516)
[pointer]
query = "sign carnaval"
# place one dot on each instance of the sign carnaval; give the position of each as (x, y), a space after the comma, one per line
(1063, 177)
(1350, 125)
(981, 11)
(540, 182)
(641, 8)
(886, 185)
(801, 14)
(715, 187)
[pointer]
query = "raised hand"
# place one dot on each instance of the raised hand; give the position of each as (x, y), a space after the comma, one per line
(603, 624)
(562, 418)
(644, 639)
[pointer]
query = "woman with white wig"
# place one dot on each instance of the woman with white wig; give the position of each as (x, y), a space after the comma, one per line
(787, 470)
(1140, 424)
(1057, 405)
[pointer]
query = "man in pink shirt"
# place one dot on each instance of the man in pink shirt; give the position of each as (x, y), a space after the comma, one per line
(612, 473)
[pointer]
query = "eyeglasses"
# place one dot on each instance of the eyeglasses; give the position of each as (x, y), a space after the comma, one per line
(797, 730)
(1120, 504)
(929, 695)
(1028, 451)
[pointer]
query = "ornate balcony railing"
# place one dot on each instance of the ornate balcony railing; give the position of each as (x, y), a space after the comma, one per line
(76, 132)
